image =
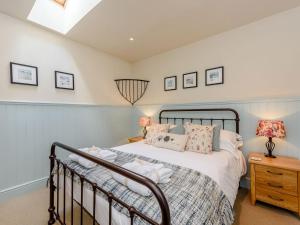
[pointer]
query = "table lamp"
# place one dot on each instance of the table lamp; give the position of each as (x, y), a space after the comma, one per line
(270, 129)
(144, 122)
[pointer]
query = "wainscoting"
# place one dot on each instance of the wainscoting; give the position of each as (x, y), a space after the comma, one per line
(250, 112)
(28, 129)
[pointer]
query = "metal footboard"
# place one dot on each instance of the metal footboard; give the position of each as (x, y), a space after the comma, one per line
(54, 215)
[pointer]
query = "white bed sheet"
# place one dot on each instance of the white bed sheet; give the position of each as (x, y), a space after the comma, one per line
(102, 207)
(224, 167)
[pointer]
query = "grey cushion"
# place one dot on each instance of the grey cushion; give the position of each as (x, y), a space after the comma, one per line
(216, 138)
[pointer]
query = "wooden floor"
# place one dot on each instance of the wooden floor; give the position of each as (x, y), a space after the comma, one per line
(31, 209)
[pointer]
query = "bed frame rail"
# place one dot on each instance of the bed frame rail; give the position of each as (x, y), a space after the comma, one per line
(54, 214)
(235, 118)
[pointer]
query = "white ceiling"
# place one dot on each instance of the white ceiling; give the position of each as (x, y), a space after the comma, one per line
(157, 25)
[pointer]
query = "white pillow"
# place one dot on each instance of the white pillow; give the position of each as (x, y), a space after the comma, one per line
(155, 129)
(171, 141)
(230, 141)
(170, 126)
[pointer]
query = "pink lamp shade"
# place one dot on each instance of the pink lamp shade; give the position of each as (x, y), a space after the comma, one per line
(144, 121)
(271, 129)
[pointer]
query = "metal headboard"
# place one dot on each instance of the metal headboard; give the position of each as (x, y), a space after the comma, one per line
(211, 119)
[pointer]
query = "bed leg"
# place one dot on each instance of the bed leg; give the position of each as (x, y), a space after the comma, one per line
(51, 208)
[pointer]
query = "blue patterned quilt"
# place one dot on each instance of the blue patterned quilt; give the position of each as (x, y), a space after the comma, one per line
(193, 198)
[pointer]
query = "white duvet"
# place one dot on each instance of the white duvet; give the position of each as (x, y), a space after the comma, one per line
(224, 167)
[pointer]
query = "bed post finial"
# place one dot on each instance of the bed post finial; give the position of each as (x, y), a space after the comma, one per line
(51, 208)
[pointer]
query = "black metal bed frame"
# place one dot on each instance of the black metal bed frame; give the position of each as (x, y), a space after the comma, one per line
(236, 118)
(54, 214)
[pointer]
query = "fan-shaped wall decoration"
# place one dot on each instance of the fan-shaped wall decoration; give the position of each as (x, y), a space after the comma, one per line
(132, 89)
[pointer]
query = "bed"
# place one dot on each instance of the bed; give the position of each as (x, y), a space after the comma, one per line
(224, 168)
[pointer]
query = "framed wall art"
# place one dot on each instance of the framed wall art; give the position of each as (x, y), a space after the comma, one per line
(214, 76)
(190, 80)
(64, 80)
(170, 83)
(23, 74)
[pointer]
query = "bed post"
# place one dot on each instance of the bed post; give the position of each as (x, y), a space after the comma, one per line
(237, 121)
(237, 125)
(51, 208)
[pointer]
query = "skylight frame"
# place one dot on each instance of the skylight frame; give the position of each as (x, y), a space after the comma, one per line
(51, 14)
(61, 2)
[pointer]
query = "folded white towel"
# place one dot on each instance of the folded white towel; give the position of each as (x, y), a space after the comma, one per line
(160, 173)
(164, 175)
(86, 163)
(132, 185)
(94, 151)
(155, 172)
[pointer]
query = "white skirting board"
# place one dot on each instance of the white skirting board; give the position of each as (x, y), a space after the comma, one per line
(21, 189)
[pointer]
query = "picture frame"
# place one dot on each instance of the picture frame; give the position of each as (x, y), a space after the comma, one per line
(214, 76)
(64, 80)
(23, 74)
(170, 83)
(190, 80)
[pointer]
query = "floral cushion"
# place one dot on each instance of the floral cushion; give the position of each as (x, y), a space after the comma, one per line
(155, 129)
(200, 138)
(171, 141)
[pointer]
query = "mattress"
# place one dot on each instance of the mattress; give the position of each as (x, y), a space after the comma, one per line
(224, 167)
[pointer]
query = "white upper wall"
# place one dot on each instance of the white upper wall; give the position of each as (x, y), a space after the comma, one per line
(260, 59)
(94, 71)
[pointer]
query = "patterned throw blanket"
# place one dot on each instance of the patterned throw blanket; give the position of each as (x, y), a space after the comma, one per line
(193, 198)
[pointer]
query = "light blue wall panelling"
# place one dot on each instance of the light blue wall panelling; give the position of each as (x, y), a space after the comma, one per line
(27, 131)
(250, 112)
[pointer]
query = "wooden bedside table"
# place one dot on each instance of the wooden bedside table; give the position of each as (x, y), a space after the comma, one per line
(276, 181)
(135, 139)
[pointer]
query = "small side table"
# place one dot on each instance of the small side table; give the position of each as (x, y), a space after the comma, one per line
(135, 139)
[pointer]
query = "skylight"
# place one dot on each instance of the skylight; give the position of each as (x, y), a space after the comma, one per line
(51, 14)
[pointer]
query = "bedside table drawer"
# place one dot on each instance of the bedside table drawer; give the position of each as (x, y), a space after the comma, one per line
(280, 180)
(277, 199)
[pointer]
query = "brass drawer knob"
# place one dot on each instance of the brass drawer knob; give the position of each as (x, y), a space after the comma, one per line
(274, 173)
(275, 185)
(275, 198)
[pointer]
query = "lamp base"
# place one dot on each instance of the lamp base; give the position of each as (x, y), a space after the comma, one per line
(270, 156)
(270, 145)
(145, 132)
